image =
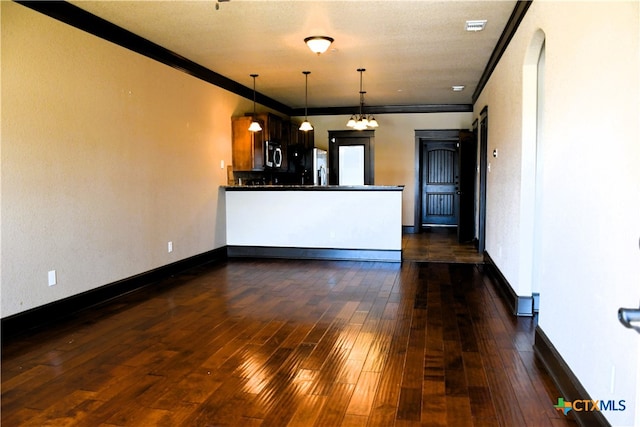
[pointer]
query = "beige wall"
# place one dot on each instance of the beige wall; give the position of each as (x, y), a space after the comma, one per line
(584, 226)
(106, 156)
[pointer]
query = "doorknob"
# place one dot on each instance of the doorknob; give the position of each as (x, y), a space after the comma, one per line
(630, 318)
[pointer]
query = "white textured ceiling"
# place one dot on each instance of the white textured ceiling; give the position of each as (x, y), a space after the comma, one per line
(413, 51)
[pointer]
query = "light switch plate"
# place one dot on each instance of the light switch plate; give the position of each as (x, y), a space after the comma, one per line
(52, 278)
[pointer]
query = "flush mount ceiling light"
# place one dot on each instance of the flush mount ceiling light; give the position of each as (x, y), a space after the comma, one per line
(318, 44)
(361, 121)
(477, 25)
(255, 126)
(305, 126)
(457, 88)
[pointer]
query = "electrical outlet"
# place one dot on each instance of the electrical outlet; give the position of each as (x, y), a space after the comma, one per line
(52, 278)
(221, 164)
(170, 247)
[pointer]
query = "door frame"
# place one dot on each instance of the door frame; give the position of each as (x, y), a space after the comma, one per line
(420, 137)
(483, 134)
(355, 137)
(468, 158)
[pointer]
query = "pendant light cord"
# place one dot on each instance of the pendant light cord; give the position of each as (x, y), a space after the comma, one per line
(306, 76)
(254, 94)
(361, 70)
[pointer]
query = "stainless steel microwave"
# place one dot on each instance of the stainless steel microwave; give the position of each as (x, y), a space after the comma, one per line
(273, 154)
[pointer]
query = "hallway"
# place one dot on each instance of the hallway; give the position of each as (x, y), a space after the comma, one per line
(287, 343)
(438, 244)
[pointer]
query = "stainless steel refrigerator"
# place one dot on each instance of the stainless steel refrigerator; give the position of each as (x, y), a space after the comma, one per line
(320, 167)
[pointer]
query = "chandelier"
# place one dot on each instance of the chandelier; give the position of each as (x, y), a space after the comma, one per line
(361, 121)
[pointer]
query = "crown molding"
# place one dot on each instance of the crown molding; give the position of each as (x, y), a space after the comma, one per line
(386, 109)
(519, 11)
(92, 24)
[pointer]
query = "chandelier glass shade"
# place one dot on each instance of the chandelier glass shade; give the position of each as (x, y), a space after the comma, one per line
(362, 121)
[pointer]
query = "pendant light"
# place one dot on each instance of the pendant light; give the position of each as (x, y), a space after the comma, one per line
(306, 126)
(361, 121)
(255, 126)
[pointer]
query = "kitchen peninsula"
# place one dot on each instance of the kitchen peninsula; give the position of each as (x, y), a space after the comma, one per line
(315, 222)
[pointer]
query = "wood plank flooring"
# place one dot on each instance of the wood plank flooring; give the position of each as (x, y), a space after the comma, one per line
(438, 244)
(287, 343)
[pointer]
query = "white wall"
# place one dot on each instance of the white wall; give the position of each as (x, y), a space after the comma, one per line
(589, 214)
(106, 156)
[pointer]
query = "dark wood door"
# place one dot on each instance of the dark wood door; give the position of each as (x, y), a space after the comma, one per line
(468, 162)
(440, 180)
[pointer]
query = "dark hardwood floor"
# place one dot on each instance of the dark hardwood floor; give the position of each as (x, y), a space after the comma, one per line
(287, 343)
(439, 244)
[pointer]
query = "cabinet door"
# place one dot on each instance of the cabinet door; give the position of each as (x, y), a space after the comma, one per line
(274, 123)
(293, 133)
(271, 127)
(309, 139)
(246, 147)
(286, 141)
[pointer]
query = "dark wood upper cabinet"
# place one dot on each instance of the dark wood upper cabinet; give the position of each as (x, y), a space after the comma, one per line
(247, 147)
(274, 127)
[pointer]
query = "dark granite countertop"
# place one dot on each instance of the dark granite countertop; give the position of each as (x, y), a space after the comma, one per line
(313, 187)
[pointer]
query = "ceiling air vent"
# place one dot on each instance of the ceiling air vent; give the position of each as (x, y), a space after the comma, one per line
(477, 25)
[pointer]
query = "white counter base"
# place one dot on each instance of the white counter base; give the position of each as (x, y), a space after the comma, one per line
(361, 223)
